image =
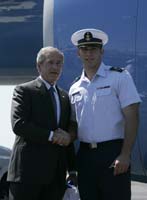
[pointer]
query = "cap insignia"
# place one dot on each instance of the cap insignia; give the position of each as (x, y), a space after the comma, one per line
(88, 36)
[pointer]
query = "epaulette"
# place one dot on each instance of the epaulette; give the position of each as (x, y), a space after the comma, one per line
(76, 79)
(117, 69)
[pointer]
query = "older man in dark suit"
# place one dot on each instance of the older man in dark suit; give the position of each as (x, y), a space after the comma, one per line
(43, 150)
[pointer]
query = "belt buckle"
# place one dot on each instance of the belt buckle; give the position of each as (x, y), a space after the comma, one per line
(93, 145)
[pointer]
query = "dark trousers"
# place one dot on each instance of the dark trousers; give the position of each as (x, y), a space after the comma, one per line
(95, 178)
(19, 191)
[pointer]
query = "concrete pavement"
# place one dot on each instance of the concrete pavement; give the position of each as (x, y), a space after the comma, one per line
(139, 191)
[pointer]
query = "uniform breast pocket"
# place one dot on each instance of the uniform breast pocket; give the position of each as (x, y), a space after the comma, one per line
(103, 92)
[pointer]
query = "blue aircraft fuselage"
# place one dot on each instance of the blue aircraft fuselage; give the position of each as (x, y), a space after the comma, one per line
(26, 26)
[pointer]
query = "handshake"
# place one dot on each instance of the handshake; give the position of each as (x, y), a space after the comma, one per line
(61, 137)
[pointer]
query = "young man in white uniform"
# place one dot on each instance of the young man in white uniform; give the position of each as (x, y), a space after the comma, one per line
(106, 103)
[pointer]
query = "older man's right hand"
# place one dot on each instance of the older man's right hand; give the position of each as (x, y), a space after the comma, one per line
(61, 137)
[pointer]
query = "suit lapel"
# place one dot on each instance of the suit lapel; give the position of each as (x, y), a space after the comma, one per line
(63, 102)
(47, 103)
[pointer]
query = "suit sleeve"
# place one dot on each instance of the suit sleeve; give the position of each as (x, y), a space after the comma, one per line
(21, 119)
(71, 155)
(71, 158)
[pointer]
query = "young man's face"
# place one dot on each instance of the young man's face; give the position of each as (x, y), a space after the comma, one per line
(90, 55)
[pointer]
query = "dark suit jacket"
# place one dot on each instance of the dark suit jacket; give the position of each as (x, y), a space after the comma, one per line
(34, 159)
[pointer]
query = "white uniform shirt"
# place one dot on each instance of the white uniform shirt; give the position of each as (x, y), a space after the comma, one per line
(97, 104)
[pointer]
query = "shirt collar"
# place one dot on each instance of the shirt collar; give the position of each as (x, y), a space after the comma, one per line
(100, 72)
(47, 84)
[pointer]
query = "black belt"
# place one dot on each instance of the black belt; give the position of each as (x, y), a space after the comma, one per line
(95, 145)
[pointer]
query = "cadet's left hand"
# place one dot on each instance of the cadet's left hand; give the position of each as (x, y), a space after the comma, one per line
(61, 137)
(121, 164)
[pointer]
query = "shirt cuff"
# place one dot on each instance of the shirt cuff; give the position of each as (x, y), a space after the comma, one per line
(73, 173)
(51, 135)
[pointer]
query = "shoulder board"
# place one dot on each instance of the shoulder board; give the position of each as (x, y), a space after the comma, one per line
(76, 79)
(117, 69)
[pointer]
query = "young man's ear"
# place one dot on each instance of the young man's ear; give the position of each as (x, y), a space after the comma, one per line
(78, 52)
(102, 50)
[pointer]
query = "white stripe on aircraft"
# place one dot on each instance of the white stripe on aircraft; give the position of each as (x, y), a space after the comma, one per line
(48, 13)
